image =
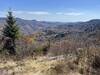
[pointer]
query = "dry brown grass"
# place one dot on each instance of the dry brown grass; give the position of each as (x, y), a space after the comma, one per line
(41, 66)
(80, 59)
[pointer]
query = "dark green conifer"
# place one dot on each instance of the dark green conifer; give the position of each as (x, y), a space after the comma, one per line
(10, 33)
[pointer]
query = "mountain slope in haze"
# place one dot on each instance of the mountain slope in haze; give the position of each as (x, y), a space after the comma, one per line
(29, 26)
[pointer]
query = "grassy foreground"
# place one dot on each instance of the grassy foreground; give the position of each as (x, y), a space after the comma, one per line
(39, 66)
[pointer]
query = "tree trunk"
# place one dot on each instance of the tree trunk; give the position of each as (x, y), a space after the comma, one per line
(12, 49)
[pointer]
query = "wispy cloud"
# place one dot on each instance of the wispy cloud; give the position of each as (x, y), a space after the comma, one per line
(39, 13)
(48, 13)
(70, 13)
(74, 14)
(48, 16)
(32, 12)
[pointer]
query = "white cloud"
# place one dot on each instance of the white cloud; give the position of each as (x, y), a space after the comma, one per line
(70, 13)
(59, 13)
(39, 13)
(18, 12)
(48, 13)
(32, 12)
(74, 14)
(48, 16)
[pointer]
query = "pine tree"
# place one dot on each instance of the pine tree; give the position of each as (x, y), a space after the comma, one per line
(10, 33)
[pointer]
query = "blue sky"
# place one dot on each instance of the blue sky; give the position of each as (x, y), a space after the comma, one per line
(52, 10)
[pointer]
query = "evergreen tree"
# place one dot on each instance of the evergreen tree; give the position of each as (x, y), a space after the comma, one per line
(10, 33)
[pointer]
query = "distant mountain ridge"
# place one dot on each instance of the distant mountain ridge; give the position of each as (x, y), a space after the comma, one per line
(29, 26)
